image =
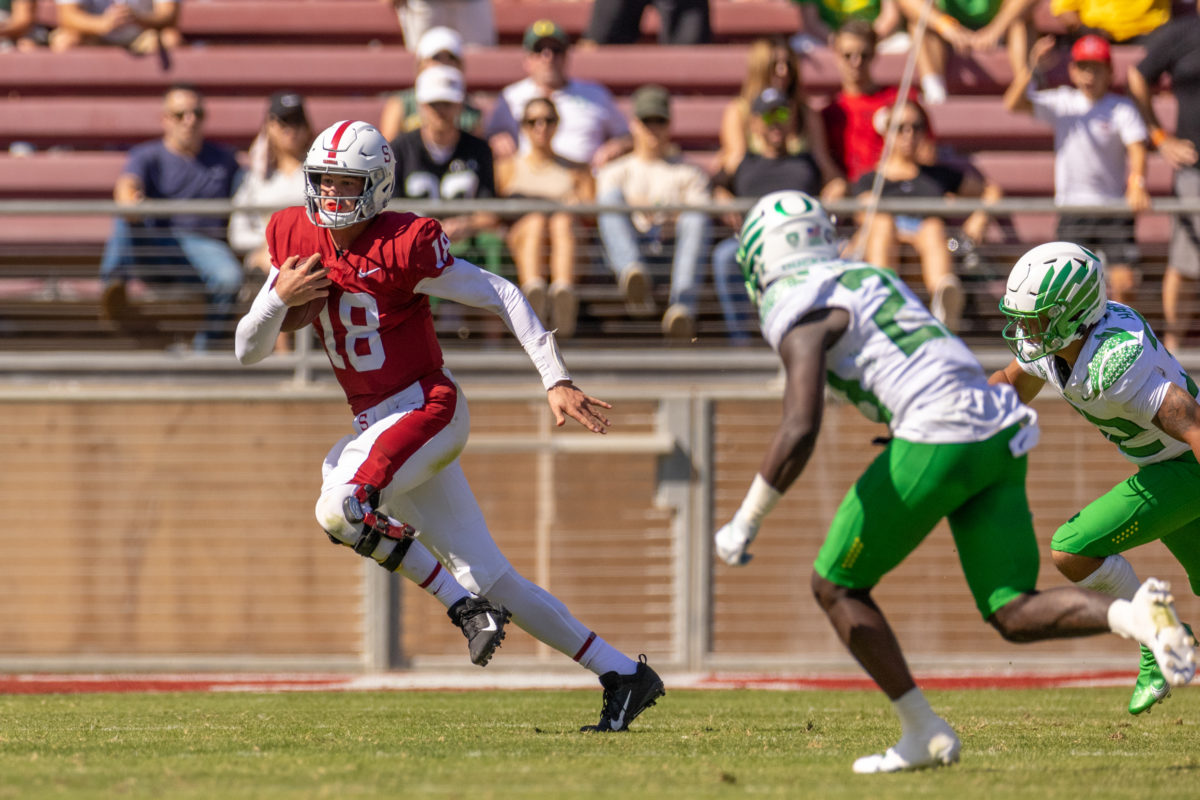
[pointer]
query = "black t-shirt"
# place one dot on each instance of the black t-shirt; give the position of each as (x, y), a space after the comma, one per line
(758, 175)
(931, 181)
(466, 175)
(1174, 49)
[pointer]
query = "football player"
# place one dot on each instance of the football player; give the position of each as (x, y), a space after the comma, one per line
(376, 270)
(1107, 363)
(957, 450)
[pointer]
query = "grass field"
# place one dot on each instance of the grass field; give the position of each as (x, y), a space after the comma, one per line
(1028, 744)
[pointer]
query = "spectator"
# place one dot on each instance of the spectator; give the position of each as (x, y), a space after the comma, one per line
(591, 129)
(184, 247)
(620, 21)
(820, 19)
(851, 128)
(1118, 22)
(16, 24)
(1099, 153)
(140, 26)
(400, 115)
(541, 173)
(275, 179)
(905, 176)
(472, 18)
(1171, 50)
(772, 123)
(967, 25)
(654, 175)
(771, 63)
(439, 161)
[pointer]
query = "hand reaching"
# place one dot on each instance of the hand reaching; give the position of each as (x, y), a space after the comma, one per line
(566, 400)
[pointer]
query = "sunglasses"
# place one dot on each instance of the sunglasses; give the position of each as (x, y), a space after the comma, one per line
(552, 49)
(777, 116)
(533, 122)
(198, 113)
(854, 55)
(655, 121)
(910, 127)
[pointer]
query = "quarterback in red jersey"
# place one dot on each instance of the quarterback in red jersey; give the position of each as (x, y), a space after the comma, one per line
(376, 270)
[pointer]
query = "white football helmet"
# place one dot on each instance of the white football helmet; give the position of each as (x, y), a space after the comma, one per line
(1055, 292)
(782, 229)
(352, 148)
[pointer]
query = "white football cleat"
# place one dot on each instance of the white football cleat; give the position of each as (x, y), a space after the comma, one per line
(1154, 623)
(731, 541)
(936, 747)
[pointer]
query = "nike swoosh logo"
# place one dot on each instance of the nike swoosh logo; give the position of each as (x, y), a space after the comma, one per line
(491, 626)
(619, 721)
(362, 274)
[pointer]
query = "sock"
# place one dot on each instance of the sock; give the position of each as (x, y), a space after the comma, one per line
(933, 89)
(544, 617)
(420, 567)
(1115, 578)
(914, 711)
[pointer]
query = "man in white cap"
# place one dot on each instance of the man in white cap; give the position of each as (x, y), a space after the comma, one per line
(439, 160)
(438, 46)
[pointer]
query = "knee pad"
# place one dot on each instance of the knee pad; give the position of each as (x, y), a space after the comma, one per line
(346, 514)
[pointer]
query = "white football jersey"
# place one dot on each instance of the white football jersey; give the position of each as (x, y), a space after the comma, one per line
(896, 363)
(1119, 382)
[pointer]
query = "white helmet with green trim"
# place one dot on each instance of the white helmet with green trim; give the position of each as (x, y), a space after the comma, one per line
(782, 230)
(1055, 292)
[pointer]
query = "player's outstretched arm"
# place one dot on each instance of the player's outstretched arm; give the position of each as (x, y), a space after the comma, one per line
(567, 400)
(1179, 417)
(1027, 385)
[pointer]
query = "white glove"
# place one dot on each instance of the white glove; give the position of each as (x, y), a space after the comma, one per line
(732, 540)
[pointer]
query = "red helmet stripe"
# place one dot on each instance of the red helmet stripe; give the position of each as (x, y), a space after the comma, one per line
(337, 136)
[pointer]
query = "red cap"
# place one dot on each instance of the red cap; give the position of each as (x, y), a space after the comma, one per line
(1091, 48)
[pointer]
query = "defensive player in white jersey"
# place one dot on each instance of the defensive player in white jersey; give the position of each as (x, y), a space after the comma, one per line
(957, 451)
(367, 275)
(1107, 363)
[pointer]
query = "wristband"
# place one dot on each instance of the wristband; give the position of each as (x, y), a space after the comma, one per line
(1158, 136)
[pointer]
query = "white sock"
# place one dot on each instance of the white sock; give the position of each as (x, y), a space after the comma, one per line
(420, 567)
(544, 617)
(1115, 578)
(914, 711)
(933, 90)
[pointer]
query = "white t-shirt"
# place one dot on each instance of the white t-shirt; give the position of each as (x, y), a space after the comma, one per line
(1089, 143)
(248, 230)
(1119, 382)
(895, 362)
(588, 117)
(651, 183)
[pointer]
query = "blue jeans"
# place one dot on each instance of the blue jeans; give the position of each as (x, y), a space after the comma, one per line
(177, 256)
(624, 246)
(731, 290)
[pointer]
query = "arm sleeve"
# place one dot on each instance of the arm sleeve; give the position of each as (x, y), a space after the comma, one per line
(465, 283)
(258, 330)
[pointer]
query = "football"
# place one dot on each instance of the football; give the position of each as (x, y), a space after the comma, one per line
(298, 317)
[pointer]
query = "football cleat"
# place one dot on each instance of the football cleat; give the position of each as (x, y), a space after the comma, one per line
(1151, 686)
(626, 696)
(483, 625)
(937, 747)
(1155, 624)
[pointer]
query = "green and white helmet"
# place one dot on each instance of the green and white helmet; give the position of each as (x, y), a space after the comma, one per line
(1055, 292)
(782, 230)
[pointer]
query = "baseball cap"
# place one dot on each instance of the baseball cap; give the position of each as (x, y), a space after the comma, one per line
(651, 101)
(287, 107)
(1091, 48)
(440, 40)
(770, 99)
(544, 29)
(440, 84)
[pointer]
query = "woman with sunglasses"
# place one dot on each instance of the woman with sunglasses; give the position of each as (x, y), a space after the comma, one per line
(770, 63)
(541, 173)
(905, 175)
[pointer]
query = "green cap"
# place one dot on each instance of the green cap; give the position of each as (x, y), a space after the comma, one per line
(544, 29)
(651, 101)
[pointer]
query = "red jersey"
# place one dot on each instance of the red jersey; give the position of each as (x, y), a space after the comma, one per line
(850, 123)
(377, 332)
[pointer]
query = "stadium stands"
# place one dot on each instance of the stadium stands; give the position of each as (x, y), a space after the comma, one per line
(81, 110)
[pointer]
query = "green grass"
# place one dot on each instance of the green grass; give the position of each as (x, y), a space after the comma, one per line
(524, 744)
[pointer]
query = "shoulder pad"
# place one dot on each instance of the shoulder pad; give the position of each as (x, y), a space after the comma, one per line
(1118, 351)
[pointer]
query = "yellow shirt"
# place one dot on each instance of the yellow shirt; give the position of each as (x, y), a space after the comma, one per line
(1124, 19)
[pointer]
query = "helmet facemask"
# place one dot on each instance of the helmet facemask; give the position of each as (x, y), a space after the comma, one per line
(350, 209)
(1055, 293)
